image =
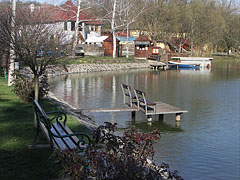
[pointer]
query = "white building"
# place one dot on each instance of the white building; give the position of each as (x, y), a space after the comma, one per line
(64, 17)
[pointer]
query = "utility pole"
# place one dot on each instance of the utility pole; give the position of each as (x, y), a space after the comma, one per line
(12, 41)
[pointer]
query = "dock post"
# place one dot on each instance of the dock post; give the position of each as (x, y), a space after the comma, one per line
(160, 117)
(149, 118)
(133, 115)
(149, 123)
(178, 116)
(177, 125)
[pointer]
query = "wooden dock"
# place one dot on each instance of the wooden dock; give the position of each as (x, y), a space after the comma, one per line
(157, 65)
(121, 109)
(137, 102)
(161, 65)
(163, 109)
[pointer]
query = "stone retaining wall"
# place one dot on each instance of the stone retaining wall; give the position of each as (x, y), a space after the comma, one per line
(86, 68)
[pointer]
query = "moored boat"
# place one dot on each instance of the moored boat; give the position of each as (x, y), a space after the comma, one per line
(202, 61)
(184, 64)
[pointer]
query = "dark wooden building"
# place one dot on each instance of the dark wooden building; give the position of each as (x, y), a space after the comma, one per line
(108, 46)
(142, 47)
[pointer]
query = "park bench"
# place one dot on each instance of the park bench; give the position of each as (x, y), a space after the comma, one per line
(127, 94)
(148, 107)
(53, 125)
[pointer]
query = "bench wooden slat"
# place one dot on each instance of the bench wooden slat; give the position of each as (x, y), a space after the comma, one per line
(58, 141)
(68, 131)
(150, 103)
(127, 92)
(67, 140)
(56, 132)
(143, 104)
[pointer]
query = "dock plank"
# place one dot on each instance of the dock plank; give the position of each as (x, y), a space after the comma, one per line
(122, 109)
(163, 108)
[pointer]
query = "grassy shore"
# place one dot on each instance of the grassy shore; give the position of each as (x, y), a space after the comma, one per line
(226, 59)
(218, 58)
(18, 161)
(95, 60)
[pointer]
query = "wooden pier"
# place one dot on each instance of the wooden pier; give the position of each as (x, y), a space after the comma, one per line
(137, 102)
(164, 109)
(161, 65)
(158, 65)
(122, 109)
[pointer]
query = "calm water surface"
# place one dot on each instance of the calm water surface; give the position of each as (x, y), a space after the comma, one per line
(205, 145)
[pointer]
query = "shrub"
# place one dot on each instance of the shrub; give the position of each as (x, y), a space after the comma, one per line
(1, 71)
(129, 157)
(24, 87)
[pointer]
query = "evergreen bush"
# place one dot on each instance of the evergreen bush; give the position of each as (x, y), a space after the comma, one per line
(24, 87)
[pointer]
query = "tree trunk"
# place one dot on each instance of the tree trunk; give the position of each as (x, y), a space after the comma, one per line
(192, 48)
(76, 28)
(127, 42)
(12, 53)
(113, 29)
(11, 68)
(36, 92)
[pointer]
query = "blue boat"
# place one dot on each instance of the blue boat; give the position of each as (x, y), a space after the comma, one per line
(184, 64)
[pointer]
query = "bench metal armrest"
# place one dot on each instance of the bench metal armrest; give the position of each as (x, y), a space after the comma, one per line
(82, 141)
(73, 134)
(60, 116)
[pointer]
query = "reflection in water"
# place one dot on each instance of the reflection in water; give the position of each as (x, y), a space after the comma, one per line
(145, 126)
(204, 146)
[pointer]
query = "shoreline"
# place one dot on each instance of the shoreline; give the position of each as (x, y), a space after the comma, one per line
(83, 119)
(54, 70)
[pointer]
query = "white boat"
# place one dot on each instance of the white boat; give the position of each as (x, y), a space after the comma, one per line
(202, 61)
(184, 64)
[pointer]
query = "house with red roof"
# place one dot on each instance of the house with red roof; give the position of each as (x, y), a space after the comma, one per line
(64, 17)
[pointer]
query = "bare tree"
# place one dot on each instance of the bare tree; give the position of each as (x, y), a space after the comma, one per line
(75, 9)
(120, 14)
(33, 30)
(231, 32)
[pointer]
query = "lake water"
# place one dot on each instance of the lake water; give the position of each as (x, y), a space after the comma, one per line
(205, 145)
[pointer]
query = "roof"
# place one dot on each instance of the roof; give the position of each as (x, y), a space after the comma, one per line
(143, 38)
(123, 38)
(110, 39)
(95, 39)
(66, 12)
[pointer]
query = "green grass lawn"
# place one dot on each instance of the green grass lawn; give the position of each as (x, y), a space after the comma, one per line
(218, 59)
(17, 160)
(95, 60)
(224, 58)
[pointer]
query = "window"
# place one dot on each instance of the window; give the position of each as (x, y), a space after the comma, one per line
(72, 26)
(65, 26)
(79, 27)
(142, 47)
